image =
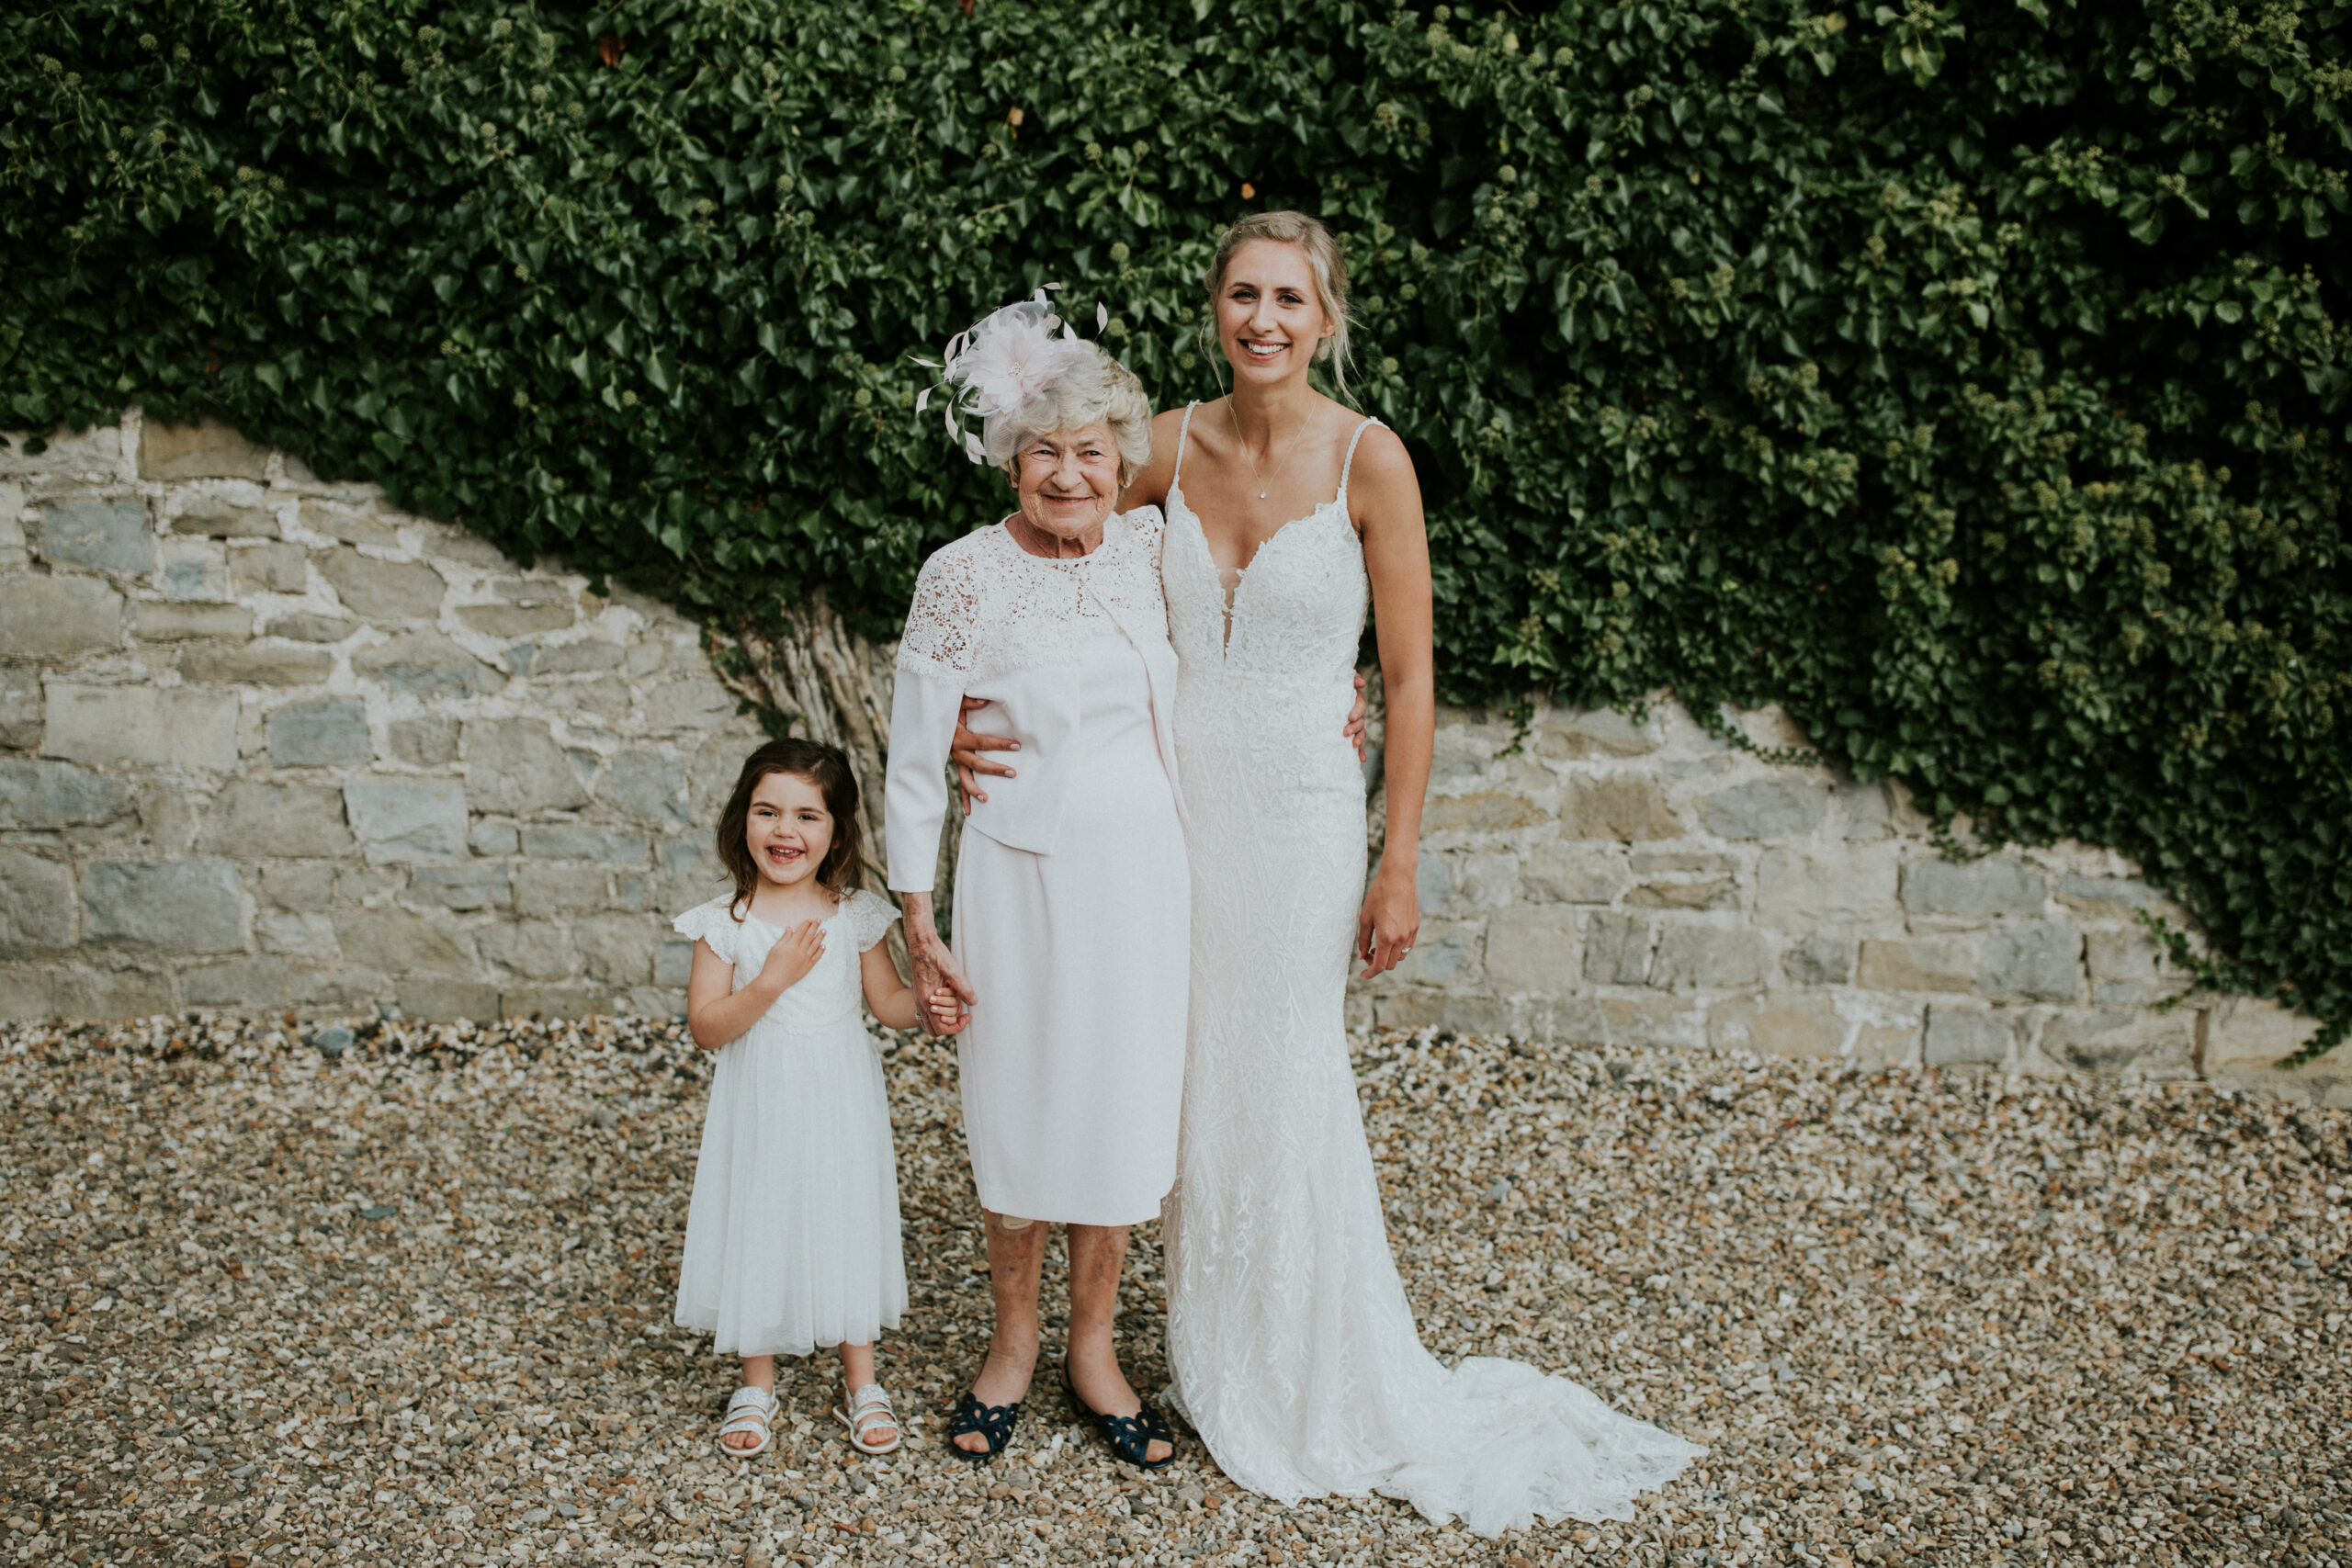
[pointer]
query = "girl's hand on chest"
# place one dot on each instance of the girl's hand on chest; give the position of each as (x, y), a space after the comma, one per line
(796, 953)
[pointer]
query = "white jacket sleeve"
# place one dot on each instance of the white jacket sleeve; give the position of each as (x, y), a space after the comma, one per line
(923, 711)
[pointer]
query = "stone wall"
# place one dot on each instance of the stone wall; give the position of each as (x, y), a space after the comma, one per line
(266, 742)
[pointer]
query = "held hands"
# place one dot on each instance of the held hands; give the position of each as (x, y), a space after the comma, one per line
(939, 980)
(971, 747)
(795, 954)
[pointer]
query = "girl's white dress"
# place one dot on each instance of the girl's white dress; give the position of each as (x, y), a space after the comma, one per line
(792, 1238)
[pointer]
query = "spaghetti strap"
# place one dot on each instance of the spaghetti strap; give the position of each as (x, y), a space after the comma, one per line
(1347, 464)
(1185, 434)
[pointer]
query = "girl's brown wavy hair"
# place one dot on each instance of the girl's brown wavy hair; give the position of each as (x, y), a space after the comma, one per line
(825, 766)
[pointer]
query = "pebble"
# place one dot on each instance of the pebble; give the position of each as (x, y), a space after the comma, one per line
(408, 1304)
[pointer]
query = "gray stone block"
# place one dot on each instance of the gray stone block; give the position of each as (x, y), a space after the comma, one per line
(648, 784)
(1628, 807)
(225, 517)
(270, 569)
(45, 796)
(544, 612)
(1617, 949)
(2114, 897)
(428, 742)
(1845, 884)
(673, 963)
(299, 886)
(255, 664)
(1714, 893)
(405, 820)
(580, 841)
(1580, 735)
(36, 905)
(1863, 811)
(205, 450)
(2033, 960)
(382, 590)
(267, 981)
(1801, 1024)
(1485, 811)
(588, 656)
(168, 813)
(1958, 1037)
(303, 935)
(550, 889)
(2126, 967)
(154, 621)
(350, 524)
(1926, 963)
(1441, 955)
(490, 837)
(192, 570)
(1532, 951)
(2110, 1041)
(1971, 889)
(19, 709)
(688, 701)
(633, 890)
(250, 818)
(330, 733)
(463, 885)
(1765, 809)
(618, 949)
(175, 728)
(106, 535)
(439, 999)
(51, 990)
(428, 665)
(1824, 958)
(1708, 958)
(55, 618)
(179, 906)
(514, 764)
(401, 942)
(535, 950)
(303, 627)
(95, 452)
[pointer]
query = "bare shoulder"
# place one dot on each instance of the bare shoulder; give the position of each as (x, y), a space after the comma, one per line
(1383, 476)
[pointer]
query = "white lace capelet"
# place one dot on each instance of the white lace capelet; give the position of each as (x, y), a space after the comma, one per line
(991, 620)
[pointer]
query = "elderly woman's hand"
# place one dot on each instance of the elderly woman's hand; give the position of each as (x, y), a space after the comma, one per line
(938, 977)
(970, 750)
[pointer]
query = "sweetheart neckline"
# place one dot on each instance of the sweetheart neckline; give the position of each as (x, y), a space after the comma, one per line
(1232, 602)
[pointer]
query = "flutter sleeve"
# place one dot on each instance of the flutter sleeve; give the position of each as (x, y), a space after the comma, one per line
(713, 923)
(934, 665)
(870, 915)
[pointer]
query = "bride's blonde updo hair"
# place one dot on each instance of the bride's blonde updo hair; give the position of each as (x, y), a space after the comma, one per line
(1323, 260)
(1088, 387)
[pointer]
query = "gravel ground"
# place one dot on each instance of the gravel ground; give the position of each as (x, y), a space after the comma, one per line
(409, 1305)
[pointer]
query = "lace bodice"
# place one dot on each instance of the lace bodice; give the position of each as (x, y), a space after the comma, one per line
(828, 992)
(986, 607)
(1297, 607)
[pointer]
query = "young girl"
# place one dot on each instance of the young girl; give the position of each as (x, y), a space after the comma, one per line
(792, 1240)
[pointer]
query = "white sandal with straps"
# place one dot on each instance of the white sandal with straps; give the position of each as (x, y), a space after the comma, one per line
(751, 1410)
(861, 1411)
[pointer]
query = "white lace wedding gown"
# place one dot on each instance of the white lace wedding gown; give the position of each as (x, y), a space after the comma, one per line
(1291, 1344)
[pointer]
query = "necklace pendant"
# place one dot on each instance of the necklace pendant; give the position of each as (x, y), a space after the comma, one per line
(1262, 495)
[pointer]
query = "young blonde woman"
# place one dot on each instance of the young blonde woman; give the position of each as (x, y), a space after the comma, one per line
(1293, 1345)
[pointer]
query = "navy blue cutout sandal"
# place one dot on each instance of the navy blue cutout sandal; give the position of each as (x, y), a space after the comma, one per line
(994, 1423)
(1130, 1437)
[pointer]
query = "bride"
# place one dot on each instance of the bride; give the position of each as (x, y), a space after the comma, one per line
(1292, 1343)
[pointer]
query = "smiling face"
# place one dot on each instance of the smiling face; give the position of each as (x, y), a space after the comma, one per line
(1068, 481)
(1270, 316)
(787, 828)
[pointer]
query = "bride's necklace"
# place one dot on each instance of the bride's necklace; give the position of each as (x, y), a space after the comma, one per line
(1263, 483)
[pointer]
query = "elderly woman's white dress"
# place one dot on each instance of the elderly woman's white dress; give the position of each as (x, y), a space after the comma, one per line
(1071, 913)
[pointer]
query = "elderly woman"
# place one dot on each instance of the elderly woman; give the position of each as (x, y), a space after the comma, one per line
(1068, 977)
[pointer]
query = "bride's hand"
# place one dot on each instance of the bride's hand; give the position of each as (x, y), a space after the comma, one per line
(1389, 923)
(970, 754)
(1353, 730)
